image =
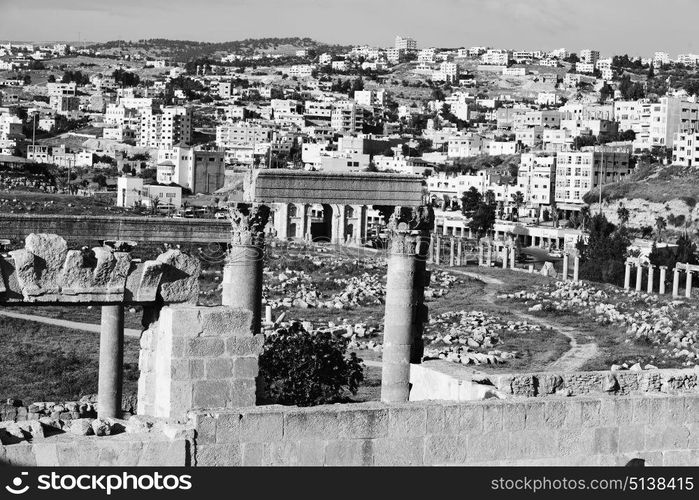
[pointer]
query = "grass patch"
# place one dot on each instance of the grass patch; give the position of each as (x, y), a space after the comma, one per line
(49, 363)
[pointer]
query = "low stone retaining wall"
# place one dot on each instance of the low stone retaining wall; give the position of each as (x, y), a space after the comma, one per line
(662, 429)
(437, 379)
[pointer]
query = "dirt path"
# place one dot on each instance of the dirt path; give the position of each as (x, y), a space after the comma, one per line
(74, 325)
(573, 359)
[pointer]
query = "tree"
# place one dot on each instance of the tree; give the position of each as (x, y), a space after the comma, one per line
(518, 201)
(584, 217)
(651, 72)
(470, 201)
(302, 368)
(26, 79)
(604, 254)
(623, 214)
(125, 78)
(660, 225)
(51, 79)
(483, 219)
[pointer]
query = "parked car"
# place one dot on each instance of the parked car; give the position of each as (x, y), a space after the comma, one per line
(221, 214)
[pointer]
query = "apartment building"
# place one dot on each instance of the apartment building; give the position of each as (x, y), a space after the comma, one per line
(200, 171)
(242, 133)
(549, 119)
(685, 149)
(579, 172)
(496, 57)
(61, 89)
(536, 178)
(447, 72)
(132, 192)
(370, 98)
(347, 117)
(404, 43)
(64, 104)
(464, 146)
(589, 56)
(454, 186)
(165, 127)
(584, 67)
(661, 58)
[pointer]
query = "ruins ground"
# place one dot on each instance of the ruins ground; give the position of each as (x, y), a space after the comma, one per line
(493, 320)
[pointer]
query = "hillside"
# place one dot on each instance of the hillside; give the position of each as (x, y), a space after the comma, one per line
(186, 50)
(653, 191)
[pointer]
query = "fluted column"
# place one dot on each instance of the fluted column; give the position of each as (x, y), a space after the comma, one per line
(404, 307)
(676, 282)
(565, 267)
(627, 276)
(242, 274)
(651, 272)
(639, 277)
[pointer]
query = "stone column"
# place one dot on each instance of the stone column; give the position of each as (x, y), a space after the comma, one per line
(663, 271)
(403, 307)
(281, 220)
(627, 276)
(452, 244)
(505, 256)
(651, 272)
(489, 260)
(639, 277)
(576, 269)
(430, 253)
(676, 282)
(438, 249)
(480, 254)
(242, 274)
(459, 252)
(111, 362)
(513, 256)
(565, 267)
(688, 288)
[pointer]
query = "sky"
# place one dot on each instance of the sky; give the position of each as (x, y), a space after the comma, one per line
(636, 27)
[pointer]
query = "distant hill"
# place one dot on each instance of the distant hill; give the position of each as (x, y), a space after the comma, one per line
(187, 50)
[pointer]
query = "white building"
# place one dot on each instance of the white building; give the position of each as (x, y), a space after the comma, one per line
(199, 171)
(131, 192)
(589, 56)
(685, 150)
(536, 178)
(661, 58)
(579, 172)
(464, 146)
(406, 44)
(347, 117)
(496, 57)
(165, 128)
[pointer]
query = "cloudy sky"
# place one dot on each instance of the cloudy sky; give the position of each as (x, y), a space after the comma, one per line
(637, 27)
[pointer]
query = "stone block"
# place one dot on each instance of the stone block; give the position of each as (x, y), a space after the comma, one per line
(204, 347)
(219, 455)
(253, 454)
(46, 455)
(631, 438)
(606, 440)
(184, 320)
(284, 453)
(316, 423)
(210, 394)
(262, 427)
(493, 416)
(692, 407)
(243, 393)
(245, 367)
(435, 423)
(663, 437)
(590, 413)
(19, 455)
(240, 345)
(445, 450)
(407, 421)
(398, 451)
(219, 368)
(566, 413)
(513, 416)
(311, 453)
(349, 452)
(226, 321)
(484, 447)
(575, 441)
(681, 458)
(471, 418)
(531, 444)
(205, 428)
(362, 423)
(533, 414)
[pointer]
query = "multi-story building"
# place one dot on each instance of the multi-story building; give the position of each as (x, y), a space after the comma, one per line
(579, 172)
(688, 59)
(60, 89)
(131, 192)
(685, 149)
(63, 104)
(394, 55)
(242, 133)
(447, 72)
(661, 58)
(584, 67)
(544, 118)
(536, 178)
(166, 127)
(406, 44)
(464, 146)
(496, 57)
(370, 98)
(589, 56)
(347, 117)
(200, 171)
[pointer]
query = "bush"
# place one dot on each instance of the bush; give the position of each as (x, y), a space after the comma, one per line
(304, 369)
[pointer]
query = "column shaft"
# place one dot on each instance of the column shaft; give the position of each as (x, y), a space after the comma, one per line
(661, 286)
(676, 283)
(111, 362)
(627, 276)
(639, 277)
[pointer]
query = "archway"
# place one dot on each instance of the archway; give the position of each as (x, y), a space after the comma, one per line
(321, 223)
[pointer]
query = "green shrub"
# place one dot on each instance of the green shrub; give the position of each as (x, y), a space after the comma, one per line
(304, 369)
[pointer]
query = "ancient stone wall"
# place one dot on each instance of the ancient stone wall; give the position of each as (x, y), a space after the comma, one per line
(662, 429)
(197, 357)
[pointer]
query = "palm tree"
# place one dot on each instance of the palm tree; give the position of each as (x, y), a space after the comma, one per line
(623, 214)
(660, 226)
(518, 201)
